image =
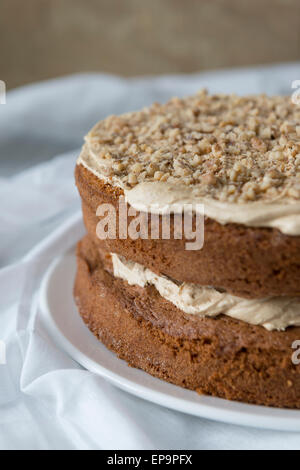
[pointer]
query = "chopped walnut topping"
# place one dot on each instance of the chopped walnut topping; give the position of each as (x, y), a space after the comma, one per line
(231, 148)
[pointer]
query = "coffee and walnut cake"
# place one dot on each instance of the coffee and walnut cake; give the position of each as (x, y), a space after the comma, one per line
(222, 319)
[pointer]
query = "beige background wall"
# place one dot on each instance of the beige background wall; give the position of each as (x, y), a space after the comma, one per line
(41, 39)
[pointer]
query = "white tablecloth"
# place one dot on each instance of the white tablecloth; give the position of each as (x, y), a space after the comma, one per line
(47, 401)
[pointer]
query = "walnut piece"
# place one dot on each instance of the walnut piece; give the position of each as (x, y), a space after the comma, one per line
(233, 148)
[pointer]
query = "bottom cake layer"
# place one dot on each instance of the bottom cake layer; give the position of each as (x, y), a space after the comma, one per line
(215, 356)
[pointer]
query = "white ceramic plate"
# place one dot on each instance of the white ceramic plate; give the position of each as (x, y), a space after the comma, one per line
(70, 333)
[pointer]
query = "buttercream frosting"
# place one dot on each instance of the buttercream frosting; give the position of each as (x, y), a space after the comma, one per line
(276, 313)
(157, 197)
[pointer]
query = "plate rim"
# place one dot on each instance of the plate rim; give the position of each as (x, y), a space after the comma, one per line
(235, 413)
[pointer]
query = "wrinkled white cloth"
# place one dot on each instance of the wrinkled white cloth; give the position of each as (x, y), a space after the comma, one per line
(47, 401)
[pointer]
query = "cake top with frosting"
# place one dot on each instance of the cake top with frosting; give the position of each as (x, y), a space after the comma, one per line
(231, 148)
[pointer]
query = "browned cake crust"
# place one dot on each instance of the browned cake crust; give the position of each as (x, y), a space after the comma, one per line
(221, 357)
(247, 262)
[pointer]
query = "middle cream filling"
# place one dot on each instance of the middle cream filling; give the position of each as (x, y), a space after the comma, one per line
(274, 313)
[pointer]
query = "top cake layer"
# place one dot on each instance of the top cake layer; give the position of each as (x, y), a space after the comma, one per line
(226, 148)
